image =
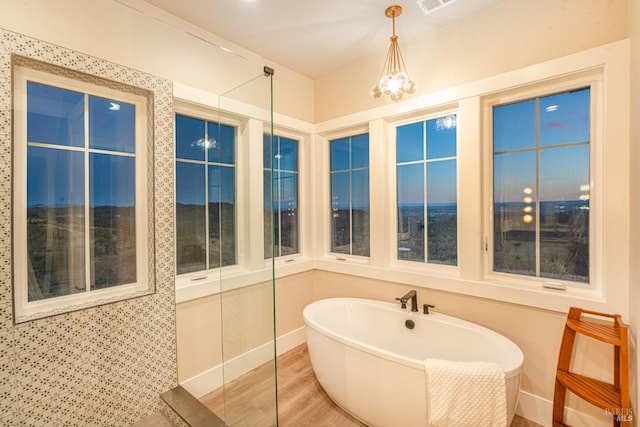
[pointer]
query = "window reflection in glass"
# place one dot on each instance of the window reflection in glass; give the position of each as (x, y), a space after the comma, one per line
(190, 217)
(205, 194)
(222, 245)
(442, 218)
(427, 191)
(340, 213)
(56, 187)
(55, 222)
(411, 208)
(280, 190)
(349, 159)
(541, 186)
(190, 138)
(55, 116)
(112, 219)
(514, 213)
(111, 125)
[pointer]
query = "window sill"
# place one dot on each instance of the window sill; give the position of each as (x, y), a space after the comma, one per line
(75, 302)
(437, 277)
(441, 278)
(230, 278)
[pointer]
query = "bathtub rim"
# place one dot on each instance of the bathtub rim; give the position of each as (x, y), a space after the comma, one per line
(514, 368)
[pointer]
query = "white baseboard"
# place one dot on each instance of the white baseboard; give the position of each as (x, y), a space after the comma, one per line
(530, 406)
(291, 340)
(213, 378)
(540, 410)
(204, 382)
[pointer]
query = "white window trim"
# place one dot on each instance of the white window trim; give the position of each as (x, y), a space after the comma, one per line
(594, 80)
(612, 128)
(416, 266)
(610, 193)
(323, 195)
(303, 200)
(210, 278)
(25, 310)
(325, 164)
(250, 267)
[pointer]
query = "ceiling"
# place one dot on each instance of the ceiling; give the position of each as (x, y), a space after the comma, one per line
(315, 37)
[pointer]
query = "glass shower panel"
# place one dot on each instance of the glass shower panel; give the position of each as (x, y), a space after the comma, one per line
(241, 194)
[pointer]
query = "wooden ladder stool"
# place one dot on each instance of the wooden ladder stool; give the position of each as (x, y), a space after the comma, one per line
(614, 398)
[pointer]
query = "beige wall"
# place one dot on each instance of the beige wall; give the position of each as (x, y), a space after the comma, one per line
(293, 294)
(244, 316)
(113, 32)
(634, 297)
(512, 35)
(199, 336)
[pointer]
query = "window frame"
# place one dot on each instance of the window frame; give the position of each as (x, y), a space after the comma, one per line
(408, 265)
(349, 170)
(25, 310)
(606, 66)
(280, 133)
(206, 163)
(593, 80)
(211, 115)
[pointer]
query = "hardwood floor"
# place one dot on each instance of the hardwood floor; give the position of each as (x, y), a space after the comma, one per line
(250, 400)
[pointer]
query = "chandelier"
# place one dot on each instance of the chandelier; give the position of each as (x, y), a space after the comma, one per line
(395, 81)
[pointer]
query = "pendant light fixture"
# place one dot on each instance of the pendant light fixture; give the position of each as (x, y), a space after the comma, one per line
(395, 81)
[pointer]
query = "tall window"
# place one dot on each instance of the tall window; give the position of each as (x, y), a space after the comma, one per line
(350, 195)
(427, 195)
(80, 190)
(280, 195)
(205, 194)
(541, 186)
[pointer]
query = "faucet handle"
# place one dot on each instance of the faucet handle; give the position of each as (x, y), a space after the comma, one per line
(426, 307)
(403, 302)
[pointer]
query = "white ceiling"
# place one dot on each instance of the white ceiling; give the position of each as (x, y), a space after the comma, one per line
(314, 37)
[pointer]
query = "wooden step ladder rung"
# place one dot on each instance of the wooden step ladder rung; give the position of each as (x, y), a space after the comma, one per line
(611, 397)
(596, 392)
(606, 333)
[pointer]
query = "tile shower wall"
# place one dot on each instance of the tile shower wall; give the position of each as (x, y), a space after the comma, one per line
(106, 365)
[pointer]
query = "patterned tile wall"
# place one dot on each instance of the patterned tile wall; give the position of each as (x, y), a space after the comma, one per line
(105, 365)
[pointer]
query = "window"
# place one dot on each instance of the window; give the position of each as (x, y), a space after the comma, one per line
(280, 195)
(350, 195)
(426, 191)
(79, 192)
(541, 186)
(205, 194)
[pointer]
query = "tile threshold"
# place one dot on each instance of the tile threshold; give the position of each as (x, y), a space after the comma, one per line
(191, 410)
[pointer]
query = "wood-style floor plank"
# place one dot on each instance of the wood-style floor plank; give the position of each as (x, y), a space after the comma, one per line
(249, 401)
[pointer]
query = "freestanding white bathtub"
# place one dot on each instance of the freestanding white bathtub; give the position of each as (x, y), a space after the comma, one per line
(372, 365)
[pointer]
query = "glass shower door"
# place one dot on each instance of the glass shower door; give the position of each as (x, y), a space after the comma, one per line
(238, 192)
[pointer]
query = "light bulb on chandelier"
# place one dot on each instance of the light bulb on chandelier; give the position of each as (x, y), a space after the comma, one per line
(395, 81)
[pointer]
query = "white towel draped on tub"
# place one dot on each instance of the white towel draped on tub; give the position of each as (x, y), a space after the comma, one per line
(462, 394)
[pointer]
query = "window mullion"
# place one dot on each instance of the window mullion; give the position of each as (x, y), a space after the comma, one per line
(537, 216)
(87, 201)
(424, 194)
(350, 199)
(279, 190)
(206, 198)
